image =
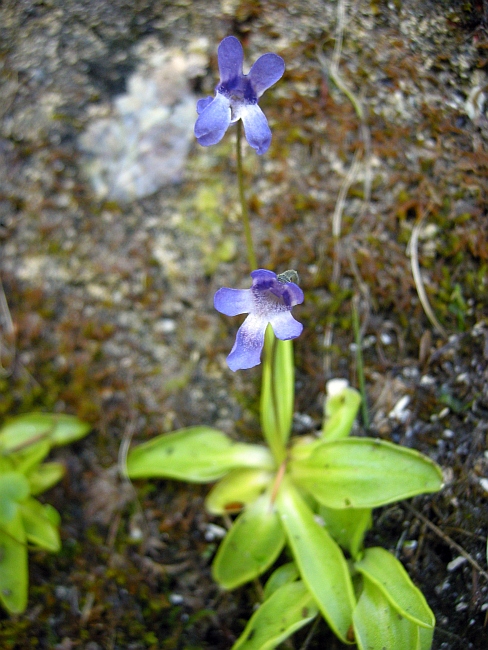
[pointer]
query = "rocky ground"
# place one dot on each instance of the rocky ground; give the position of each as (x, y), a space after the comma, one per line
(116, 228)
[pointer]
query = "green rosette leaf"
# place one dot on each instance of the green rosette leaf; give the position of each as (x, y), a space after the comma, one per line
(281, 576)
(320, 561)
(388, 574)
(237, 489)
(44, 476)
(251, 545)
(364, 473)
(198, 454)
(347, 526)
(27, 429)
(288, 609)
(41, 525)
(378, 625)
(13, 565)
(28, 458)
(14, 488)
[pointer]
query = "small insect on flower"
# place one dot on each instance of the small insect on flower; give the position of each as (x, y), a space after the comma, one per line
(236, 97)
(269, 300)
(288, 276)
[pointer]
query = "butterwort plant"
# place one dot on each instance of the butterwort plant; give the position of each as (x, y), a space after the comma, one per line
(25, 522)
(308, 499)
(303, 501)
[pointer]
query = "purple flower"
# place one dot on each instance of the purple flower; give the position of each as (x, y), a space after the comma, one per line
(237, 97)
(269, 300)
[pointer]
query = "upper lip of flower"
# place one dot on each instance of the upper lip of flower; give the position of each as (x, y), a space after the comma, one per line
(237, 97)
(269, 300)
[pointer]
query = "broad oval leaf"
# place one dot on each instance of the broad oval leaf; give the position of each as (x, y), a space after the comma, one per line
(41, 525)
(57, 428)
(238, 488)
(321, 562)
(287, 610)
(14, 488)
(197, 454)
(364, 473)
(389, 575)
(251, 545)
(377, 625)
(277, 393)
(13, 565)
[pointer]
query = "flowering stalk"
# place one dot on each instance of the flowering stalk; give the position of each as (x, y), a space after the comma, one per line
(277, 393)
(237, 101)
(251, 255)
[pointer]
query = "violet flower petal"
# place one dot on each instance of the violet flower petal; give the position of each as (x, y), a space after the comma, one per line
(265, 72)
(246, 352)
(284, 326)
(263, 279)
(256, 128)
(232, 302)
(203, 103)
(290, 293)
(213, 121)
(230, 56)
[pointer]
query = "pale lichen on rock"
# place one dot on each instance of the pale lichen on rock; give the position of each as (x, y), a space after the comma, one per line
(143, 144)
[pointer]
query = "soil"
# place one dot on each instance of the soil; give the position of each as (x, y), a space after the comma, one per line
(374, 190)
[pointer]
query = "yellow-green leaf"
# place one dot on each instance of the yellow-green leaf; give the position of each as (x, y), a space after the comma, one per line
(287, 610)
(13, 565)
(364, 473)
(14, 488)
(388, 574)
(198, 454)
(320, 561)
(251, 545)
(41, 525)
(281, 576)
(57, 428)
(30, 457)
(377, 625)
(341, 408)
(238, 488)
(347, 526)
(44, 476)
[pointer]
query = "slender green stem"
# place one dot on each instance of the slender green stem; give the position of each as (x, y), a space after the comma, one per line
(245, 214)
(359, 363)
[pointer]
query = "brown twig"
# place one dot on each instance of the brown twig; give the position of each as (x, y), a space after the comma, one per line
(450, 542)
(417, 276)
